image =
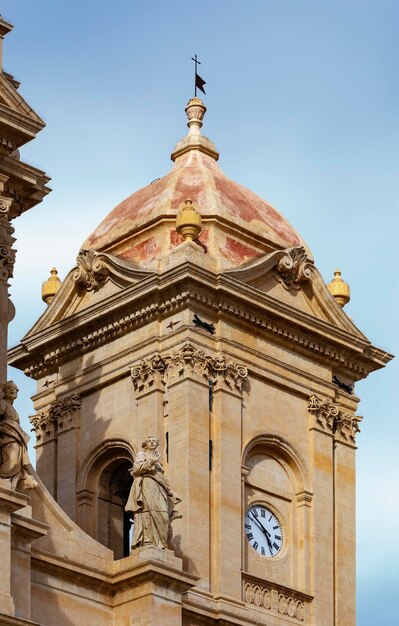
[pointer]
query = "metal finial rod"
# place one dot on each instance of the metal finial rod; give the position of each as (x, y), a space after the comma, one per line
(195, 73)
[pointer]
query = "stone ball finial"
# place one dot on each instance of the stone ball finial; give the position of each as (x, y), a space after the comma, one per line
(195, 111)
(50, 287)
(188, 221)
(339, 289)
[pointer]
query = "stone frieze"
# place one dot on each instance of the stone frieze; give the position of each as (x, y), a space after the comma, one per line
(274, 599)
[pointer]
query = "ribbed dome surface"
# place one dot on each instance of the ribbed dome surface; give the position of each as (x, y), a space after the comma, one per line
(196, 176)
(237, 224)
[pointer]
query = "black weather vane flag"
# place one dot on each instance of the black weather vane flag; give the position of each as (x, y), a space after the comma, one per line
(199, 82)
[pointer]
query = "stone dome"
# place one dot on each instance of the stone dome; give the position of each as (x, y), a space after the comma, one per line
(237, 225)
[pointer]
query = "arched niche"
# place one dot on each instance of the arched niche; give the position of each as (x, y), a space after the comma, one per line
(103, 486)
(275, 476)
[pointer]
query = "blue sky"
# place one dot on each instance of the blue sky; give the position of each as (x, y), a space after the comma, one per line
(302, 100)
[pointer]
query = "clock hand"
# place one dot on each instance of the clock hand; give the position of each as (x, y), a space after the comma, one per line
(265, 532)
(263, 529)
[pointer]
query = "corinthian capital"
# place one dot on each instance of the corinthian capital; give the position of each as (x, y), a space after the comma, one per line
(330, 417)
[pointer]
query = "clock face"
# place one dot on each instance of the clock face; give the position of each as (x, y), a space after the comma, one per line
(263, 531)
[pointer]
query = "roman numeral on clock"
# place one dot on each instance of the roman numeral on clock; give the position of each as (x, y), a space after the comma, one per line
(250, 536)
(255, 545)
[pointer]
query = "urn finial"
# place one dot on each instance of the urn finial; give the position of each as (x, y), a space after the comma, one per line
(188, 221)
(339, 289)
(195, 111)
(51, 286)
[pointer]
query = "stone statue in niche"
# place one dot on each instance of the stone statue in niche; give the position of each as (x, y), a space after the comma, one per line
(150, 499)
(14, 460)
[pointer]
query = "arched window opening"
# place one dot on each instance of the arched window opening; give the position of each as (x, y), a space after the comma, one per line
(113, 523)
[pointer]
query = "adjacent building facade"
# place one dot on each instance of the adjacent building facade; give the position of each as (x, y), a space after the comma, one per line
(195, 314)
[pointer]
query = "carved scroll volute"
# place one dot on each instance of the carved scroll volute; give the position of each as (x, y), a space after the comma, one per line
(294, 268)
(91, 272)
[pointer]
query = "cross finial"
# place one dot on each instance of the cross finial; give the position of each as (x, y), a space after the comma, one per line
(198, 81)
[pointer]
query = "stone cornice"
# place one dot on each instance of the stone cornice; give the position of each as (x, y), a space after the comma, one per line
(26, 185)
(331, 418)
(41, 352)
(17, 126)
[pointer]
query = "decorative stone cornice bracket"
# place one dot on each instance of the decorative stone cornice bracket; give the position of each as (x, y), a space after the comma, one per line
(91, 272)
(291, 267)
(62, 415)
(294, 268)
(163, 370)
(330, 417)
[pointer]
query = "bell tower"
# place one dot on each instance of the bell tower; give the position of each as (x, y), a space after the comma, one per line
(196, 315)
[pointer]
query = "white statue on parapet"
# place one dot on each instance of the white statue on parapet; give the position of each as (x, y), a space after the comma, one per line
(150, 499)
(14, 460)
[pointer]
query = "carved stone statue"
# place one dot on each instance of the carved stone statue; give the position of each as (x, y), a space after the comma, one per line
(150, 499)
(13, 440)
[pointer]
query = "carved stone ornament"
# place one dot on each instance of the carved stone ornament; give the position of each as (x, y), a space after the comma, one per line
(7, 253)
(61, 415)
(187, 360)
(330, 417)
(5, 204)
(148, 373)
(91, 272)
(274, 599)
(294, 268)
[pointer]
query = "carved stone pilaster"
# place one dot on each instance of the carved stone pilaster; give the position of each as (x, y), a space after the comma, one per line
(191, 361)
(332, 418)
(91, 272)
(7, 253)
(62, 415)
(294, 268)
